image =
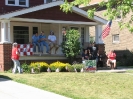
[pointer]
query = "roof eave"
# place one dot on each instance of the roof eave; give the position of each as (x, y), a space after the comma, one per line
(32, 9)
(49, 5)
(84, 13)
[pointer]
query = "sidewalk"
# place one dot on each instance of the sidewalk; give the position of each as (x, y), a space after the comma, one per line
(118, 70)
(13, 90)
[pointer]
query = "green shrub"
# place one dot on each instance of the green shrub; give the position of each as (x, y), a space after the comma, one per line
(70, 68)
(25, 68)
(71, 46)
(8, 71)
(78, 67)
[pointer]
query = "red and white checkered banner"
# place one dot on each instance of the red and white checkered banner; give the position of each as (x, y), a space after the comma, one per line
(25, 49)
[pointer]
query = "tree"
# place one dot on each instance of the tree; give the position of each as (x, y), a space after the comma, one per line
(71, 47)
(114, 8)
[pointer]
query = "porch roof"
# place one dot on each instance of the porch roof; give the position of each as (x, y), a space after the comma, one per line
(78, 11)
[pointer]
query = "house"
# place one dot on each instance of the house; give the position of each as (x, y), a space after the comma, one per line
(19, 19)
(119, 40)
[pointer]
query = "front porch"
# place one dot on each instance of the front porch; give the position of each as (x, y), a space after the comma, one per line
(19, 26)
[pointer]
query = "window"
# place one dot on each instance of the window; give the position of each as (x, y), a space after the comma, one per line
(35, 30)
(24, 3)
(92, 39)
(48, 1)
(119, 16)
(21, 34)
(11, 1)
(75, 28)
(116, 38)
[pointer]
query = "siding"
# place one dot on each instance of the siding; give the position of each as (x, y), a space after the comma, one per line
(55, 13)
(5, 8)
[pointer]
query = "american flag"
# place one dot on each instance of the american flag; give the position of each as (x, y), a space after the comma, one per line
(106, 30)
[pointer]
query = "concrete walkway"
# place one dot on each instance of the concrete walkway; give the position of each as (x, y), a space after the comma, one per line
(13, 90)
(118, 70)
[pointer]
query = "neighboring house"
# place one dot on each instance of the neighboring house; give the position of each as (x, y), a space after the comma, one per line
(119, 40)
(19, 19)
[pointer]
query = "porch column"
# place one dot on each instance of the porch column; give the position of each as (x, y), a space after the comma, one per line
(5, 31)
(60, 34)
(87, 34)
(86, 37)
(99, 43)
(9, 40)
(98, 32)
(5, 46)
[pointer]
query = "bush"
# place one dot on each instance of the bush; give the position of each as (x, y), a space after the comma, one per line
(67, 68)
(39, 66)
(78, 67)
(8, 71)
(71, 46)
(70, 68)
(60, 65)
(25, 68)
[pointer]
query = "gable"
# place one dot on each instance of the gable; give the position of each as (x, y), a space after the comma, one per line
(54, 13)
(51, 11)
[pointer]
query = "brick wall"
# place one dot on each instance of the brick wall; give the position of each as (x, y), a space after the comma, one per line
(125, 37)
(5, 60)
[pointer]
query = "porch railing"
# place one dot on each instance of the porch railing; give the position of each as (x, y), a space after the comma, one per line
(25, 49)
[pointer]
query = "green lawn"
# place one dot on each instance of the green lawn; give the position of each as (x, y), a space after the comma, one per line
(80, 85)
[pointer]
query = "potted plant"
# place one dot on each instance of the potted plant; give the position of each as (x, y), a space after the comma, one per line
(78, 67)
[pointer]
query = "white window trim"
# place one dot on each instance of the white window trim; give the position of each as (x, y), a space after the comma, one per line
(17, 3)
(114, 40)
(52, 1)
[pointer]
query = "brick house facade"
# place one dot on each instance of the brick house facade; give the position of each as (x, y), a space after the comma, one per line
(118, 40)
(19, 19)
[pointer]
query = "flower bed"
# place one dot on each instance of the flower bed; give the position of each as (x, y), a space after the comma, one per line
(37, 67)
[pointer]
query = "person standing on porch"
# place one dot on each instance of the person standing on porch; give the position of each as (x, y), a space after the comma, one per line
(89, 50)
(53, 42)
(15, 58)
(85, 55)
(35, 42)
(95, 52)
(43, 42)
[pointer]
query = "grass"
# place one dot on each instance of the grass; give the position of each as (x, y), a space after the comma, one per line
(80, 85)
(130, 71)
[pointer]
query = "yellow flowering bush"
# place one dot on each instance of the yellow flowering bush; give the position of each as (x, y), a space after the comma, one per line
(62, 66)
(42, 66)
